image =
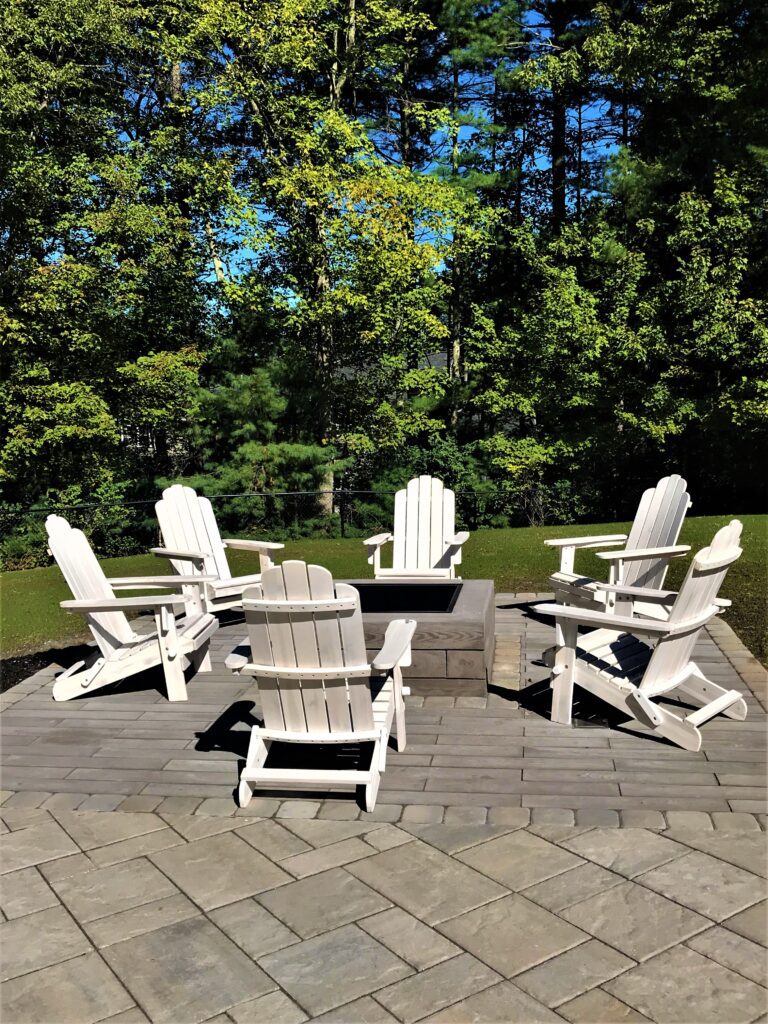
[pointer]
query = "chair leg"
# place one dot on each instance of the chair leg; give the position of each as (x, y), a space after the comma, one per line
(566, 634)
(244, 793)
(372, 790)
(201, 659)
(258, 749)
(399, 708)
(701, 689)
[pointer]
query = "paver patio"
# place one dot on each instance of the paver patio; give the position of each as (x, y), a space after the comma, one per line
(490, 884)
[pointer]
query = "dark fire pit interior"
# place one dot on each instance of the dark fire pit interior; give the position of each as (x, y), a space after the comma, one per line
(410, 598)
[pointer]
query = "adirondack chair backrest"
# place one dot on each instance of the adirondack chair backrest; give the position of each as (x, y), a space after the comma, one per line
(85, 577)
(657, 524)
(425, 514)
(320, 629)
(188, 524)
(697, 593)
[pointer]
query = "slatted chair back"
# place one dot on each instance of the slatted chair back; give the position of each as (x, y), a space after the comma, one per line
(697, 593)
(657, 524)
(299, 621)
(187, 523)
(85, 578)
(425, 514)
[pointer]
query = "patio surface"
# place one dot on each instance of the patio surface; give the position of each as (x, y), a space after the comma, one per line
(471, 752)
(490, 884)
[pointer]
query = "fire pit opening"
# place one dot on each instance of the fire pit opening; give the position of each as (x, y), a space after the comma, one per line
(408, 598)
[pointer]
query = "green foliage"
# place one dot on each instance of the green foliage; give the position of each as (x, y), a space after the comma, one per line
(291, 245)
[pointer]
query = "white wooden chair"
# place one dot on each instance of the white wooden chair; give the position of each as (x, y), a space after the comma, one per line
(307, 653)
(613, 664)
(193, 544)
(175, 644)
(424, 539)
(641, 564)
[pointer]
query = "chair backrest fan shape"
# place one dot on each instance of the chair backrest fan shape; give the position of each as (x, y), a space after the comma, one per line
(697, 594)
(657, 524)
(425, 513)
(299, 620)
(85, 578)
(188, 524)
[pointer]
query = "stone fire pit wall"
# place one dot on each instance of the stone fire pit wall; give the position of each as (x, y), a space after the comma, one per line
(452, 651)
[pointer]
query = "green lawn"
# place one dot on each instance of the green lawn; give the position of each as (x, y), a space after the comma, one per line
(517, 560)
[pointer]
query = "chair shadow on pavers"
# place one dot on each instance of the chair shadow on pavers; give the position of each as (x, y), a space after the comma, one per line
(230, 733)
(223, 734)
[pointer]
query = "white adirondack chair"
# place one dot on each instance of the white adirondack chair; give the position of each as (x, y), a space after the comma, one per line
(613, 664)
(640, 566)
(193, 544)
(425, 542)
(307, 653)
(175, 644)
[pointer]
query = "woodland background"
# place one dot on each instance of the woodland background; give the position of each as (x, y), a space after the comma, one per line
(298, 245)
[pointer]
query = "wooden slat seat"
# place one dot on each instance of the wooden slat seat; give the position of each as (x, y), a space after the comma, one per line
(194, 545)
(175, 643)
(611, 662)
(424, 539)
(656, 528)
(306, 651)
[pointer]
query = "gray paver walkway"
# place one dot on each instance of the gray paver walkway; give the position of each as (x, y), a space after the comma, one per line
(468, 760)
(490, 883)
(404, 931)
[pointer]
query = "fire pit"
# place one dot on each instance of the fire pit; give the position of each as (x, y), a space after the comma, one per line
(454, 639)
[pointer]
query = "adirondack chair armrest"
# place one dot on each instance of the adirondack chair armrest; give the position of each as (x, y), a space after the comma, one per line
(378, 540)
(190, 556)
(646, 593)
(157, 582)
(397, 643)
(585, 542)
(253, 545)
(633, 554)
(125, 604)
(605, 620)
(458, 540)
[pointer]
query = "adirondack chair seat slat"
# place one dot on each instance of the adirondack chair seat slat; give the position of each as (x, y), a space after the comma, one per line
(622, 670)
(424, 539)
(642, 562)
(174, 644)
(193, 543)
(306, 652)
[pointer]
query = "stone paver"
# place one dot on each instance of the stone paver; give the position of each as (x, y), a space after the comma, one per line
(512, 934)
(351, 964)
(425, 882)
(519, 859)
(705, 884)
(322, 902)
(599, 1006)
(626, 851)
(733, 951)
(574, 972)
(518, 907)
(79, 991)
(137, 921)
(702, 990)
(436, 987)
(274, 1008)
(634, 920)
(751, 923)
(101, 892)
(219, 869)
(34, 845)
(217, 973)
(496, 1005)
(25, 892)
(409, 938)
(253, 928)
(39, 940)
